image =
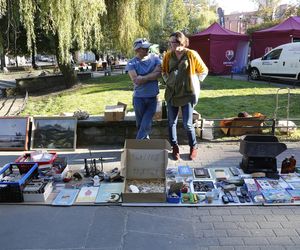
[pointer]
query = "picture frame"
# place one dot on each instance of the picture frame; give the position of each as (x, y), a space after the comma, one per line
(54, 133)
(14, 133)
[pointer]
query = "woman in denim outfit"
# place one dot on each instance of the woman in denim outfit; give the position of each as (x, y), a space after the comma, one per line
(182, 69)
(144, 70)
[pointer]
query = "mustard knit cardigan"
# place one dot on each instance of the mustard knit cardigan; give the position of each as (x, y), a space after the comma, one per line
(197, 66)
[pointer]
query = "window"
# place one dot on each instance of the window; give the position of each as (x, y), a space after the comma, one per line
(273, 55)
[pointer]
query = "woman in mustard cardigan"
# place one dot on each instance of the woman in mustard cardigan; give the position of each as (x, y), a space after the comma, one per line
(182, 69)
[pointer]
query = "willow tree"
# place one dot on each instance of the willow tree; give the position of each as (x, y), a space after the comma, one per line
(72, 23)
(10, 29)
(125, 20)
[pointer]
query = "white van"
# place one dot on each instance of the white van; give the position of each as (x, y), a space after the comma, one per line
(283, 62)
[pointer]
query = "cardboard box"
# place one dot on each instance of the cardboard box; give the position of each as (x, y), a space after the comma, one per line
(242, 125)
(115, 112)
(144, 160)
(39, 197)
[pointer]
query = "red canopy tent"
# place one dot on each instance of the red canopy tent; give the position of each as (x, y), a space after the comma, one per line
(222, 50)
(265, 40)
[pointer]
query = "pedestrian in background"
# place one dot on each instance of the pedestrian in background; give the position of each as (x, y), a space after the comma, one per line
(144, 70)
(182, 70)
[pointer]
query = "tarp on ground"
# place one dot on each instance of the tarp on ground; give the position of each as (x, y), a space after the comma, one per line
(222, 50)
(265, 40)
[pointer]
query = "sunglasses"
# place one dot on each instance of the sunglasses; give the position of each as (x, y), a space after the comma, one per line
(174, 42)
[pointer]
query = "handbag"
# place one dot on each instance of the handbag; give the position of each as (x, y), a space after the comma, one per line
(195, 82)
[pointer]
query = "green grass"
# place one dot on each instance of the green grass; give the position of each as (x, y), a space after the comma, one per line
(92, 96)
(220, 97)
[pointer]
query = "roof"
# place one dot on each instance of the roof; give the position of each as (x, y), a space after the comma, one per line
(292, 23)
(218, 30)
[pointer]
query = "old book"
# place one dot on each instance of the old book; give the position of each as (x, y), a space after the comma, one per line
(110, 192)
(220, 174)
(87, 194)
(201, 173)
(276, 196)
(65, 197)
(185, 171)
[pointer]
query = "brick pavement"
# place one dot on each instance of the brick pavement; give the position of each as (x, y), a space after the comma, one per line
(114, 227)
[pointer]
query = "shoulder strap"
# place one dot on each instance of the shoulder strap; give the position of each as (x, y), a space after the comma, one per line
(175, 67)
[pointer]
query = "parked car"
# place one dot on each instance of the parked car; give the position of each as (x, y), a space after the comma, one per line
(282, 62)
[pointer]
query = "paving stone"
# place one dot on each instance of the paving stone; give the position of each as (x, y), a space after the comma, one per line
(233, 218)
(186, 213)
(296, 209)
(206, 242)
(256, 218)
(295, 239)
(146, 241)
(241, 211)
(256, 210)
(273, 248)
(290, 224)
(282, 211)
(247, 225)
(293, 217)
(214, 233)
(211, 218)
(218, 211)
(272, 224)
(225, 225)
(202, 226)
(221, 248)
(247, 248)
(255, 241)
(231, 241)
(238, 233)
(262, 232)
(169, 226)
(202, 211)
(284, 241)
(292, 248)
(285, 232)
(276, 217)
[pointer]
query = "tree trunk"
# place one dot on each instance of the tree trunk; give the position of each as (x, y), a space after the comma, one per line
(70, 76)
(33, 61)
(2, 58)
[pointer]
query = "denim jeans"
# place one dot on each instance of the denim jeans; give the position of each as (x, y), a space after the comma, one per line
(144, 108)
(187, 118)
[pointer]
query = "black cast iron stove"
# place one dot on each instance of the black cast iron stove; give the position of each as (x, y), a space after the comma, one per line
(259, 154)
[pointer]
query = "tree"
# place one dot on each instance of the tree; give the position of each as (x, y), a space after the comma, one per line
(11, 30)
(176, 18)
(201, 14)
(262, 26)
(125, 20)
(292, 10)
(267, 9)
(71, 23)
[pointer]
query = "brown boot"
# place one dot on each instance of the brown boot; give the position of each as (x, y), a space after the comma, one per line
(175, 153)
(193, 153)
